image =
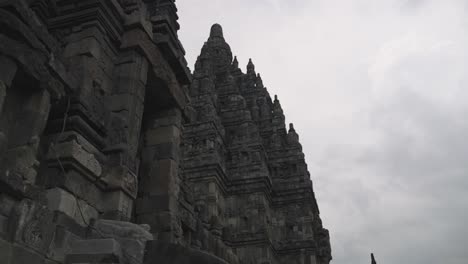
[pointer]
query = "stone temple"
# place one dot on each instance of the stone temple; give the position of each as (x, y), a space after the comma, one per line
(113, 151)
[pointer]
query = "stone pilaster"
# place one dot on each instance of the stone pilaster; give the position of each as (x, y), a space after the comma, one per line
(159, 186)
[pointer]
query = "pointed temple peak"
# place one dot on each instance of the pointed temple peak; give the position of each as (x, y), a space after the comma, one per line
(278, 112)
(250, 67)
(235, 62)
(216, 32)
(291, 127)
(259, 82)
(373, 259)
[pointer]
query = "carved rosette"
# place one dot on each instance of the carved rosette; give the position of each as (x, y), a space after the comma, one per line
(130, 182)
(32, 225)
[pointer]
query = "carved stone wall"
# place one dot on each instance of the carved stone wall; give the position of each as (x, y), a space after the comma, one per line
(106, 143)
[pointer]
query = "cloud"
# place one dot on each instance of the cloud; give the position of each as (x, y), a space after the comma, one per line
(378, 93)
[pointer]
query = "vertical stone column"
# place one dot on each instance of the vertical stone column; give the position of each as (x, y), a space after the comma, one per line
(127, 101)
(159, 176)
(126, 104)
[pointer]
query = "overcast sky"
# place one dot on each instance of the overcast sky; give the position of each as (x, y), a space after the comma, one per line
(378, 92)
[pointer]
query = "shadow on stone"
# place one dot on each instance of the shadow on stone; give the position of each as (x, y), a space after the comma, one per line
(160, 252)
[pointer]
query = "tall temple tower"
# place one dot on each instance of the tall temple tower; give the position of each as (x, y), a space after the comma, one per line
(247, 169)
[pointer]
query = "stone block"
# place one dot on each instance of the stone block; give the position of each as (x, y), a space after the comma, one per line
(123, 230)
(162, 179)
(172, 253)
(166, 151)
(6, 251)
(95, 251)
(88, 46)
(132, 66)
(62, 201)
(61, 244)
(162, 135)
(120, 102)
(87, 212)
(117, 201)
(171, 117)
(77, 184)
(122, 178)
(156, 203)
(159, 222)
(131, 86)
(132, 237)
(74, 151)
(23, 255)
(148, 219)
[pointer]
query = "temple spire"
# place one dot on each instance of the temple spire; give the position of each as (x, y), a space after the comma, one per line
(278, 115)
(216, 32)
(217, 50)
(235, 63)
(250, 67)
(293, 137)
(277, 109)
(259, 82)
(373, 259)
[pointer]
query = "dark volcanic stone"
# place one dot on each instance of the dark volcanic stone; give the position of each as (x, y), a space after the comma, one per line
(159, 252)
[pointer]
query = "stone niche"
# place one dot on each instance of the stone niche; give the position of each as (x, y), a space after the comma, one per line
(24, 107)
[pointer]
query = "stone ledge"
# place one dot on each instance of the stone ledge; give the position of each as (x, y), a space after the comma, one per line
(158, 252)
(95, 251)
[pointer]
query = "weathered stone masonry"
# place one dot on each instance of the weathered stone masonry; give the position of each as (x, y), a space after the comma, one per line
(111, 151)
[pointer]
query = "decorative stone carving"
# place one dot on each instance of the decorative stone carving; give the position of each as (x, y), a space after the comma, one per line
(21, 163)
(130, 182)
(31, 225)
(132, 237)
